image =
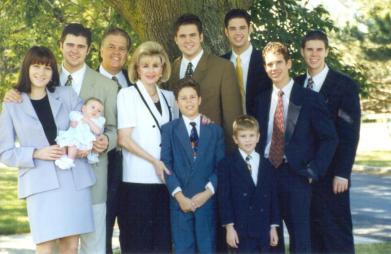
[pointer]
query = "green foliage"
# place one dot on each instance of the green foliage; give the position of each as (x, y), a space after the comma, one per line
(288, 21)
(33, 22)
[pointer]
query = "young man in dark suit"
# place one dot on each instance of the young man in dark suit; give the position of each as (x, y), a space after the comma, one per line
(331, 221)
(114, 49)
(220, 94)
(247, 60)
(191, 151)
(247, 193)
(299, 142)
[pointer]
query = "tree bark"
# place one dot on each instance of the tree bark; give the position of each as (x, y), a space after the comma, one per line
(154, 19)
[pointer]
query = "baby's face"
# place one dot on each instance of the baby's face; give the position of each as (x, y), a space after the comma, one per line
(93, 109)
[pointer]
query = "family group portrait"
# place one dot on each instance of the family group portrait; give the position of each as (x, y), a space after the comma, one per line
(182, 126)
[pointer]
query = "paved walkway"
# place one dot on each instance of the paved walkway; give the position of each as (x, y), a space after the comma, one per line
(371, 209)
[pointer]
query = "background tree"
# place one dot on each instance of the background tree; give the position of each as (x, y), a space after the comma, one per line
(33, 22)
(368, 41)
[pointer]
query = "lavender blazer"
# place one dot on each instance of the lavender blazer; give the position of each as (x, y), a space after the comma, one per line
(19, 122)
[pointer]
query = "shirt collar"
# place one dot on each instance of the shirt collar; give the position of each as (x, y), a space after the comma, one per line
(253, 154)
(187, 120)
(319, 78)
(286, 89)
(77, 74)
(245, 55)
(105, 73)
(194, 61)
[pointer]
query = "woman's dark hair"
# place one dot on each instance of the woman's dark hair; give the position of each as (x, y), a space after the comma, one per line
(37, 55)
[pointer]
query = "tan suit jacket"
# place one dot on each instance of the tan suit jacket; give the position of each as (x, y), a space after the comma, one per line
(220, 94)
(96, 85)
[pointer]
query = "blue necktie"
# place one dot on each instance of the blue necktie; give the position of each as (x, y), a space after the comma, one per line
(194, 139)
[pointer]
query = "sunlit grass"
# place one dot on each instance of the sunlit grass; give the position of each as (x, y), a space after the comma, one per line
(13, 214)
(374, 158)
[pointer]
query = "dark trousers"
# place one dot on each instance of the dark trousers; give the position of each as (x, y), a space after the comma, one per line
(331, 220)
(114, 179)
(294, 195)
(144, 218)
(249, 245)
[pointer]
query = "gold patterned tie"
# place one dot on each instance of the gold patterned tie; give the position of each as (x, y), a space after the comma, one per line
(239, 74)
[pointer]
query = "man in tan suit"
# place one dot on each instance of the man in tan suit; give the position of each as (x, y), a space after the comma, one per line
(220, 94)
(75, 46)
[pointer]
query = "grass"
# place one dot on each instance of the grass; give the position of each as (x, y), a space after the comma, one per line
(375, 248)
(13, 214)
(374, 158)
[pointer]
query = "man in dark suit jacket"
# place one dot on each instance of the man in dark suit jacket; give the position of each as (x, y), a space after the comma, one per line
(238, 30)
(114, 49)
(298, 143)
(219, 89)
(331, 221)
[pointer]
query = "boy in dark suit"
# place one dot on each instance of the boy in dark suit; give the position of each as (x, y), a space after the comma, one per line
(247, 194)
(191, 151)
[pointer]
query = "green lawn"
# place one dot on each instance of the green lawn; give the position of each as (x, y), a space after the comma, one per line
(376, 248)
(13, 217)
(374, 158)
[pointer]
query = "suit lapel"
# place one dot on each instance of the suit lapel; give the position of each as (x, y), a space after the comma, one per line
(88, 84)
(241, 169)
(55, 103)
(150, 103)
(199, 72)
(327, 86)
(184, 139)
(293, 112)
(263, 115)
(28, 107)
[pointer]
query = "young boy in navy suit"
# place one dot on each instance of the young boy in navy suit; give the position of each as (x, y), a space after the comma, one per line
(191, 151)
(246, 193)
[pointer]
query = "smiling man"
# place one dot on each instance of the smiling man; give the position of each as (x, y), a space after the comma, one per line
(331, 221)
(298, 143)
(114, 49)
(252, 78)
(219, 89)
(75, 45)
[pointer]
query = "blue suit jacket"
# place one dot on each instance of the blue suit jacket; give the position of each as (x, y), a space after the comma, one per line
(341, 95)
(310, 135)
(189, 174)
(257, 79)
(18, 121)
(252, 208)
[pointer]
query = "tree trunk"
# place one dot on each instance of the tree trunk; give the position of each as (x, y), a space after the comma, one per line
(154, 19)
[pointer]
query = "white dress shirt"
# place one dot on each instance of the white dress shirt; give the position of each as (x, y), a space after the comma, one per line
(77, 77)
(254, 162)
(120, 76)
(187, 121)
(273, 105)
(185, 62)
(245, 61)
(318, 79)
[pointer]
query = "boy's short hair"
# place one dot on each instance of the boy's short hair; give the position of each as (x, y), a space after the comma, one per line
(186, 82)
(237, 13)
(315, 35)
(188, 19)
(276, 48)
(245, 122)
(77, 30)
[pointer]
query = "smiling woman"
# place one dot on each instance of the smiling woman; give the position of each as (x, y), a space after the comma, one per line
(51, 194)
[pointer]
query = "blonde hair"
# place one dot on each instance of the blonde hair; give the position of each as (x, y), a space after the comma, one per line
(276, 48)
(245, 122)
(149, 48)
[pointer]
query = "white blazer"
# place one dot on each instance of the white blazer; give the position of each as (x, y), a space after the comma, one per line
(133, 113)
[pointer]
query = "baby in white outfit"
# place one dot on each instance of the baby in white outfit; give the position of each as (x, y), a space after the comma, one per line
(85, 126)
